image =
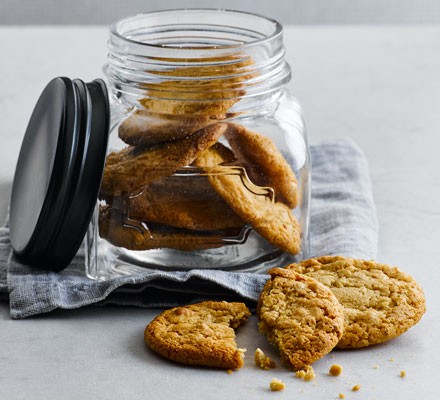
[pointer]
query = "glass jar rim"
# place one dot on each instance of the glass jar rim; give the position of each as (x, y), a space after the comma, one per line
(277, 31)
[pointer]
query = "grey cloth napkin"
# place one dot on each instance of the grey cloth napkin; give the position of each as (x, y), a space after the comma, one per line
(343, 222)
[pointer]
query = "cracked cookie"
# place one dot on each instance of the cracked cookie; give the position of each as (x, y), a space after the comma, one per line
(199, 334)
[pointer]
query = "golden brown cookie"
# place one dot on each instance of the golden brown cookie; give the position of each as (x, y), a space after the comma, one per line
(199, 334)
(199, 89)
(133, 168)
(187, 202)
(114, 228)
(144, 128)
(271, 167)
(299, 316)
(380, 302)
(272, 220)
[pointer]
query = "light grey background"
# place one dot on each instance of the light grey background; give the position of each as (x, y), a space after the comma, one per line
(40, 12)
(378, 85)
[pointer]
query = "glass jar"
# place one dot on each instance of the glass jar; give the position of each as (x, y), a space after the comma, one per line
(207, 163)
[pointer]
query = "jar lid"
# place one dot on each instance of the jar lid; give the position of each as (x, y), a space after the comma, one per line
(59, 171)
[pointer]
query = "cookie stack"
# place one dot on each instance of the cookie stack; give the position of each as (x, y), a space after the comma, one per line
(190, 177)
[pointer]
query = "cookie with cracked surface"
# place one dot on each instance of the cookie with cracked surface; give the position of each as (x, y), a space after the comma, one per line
(272, 220)
(380, 302)
(114, 228)
(272, 168)
(299, 316)
(199, 334)
(187, 202)
(143, 128)
(132, 168)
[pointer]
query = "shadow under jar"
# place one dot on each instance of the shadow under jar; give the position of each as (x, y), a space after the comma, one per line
(208, 162)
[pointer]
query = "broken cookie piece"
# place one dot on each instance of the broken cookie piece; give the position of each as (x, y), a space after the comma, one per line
(199, 334)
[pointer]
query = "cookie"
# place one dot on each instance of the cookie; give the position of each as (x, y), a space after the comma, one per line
(299, 316)
(272, 220)
(199, 334)
(187, 202)
(380, 302)
(143, 128)
(199, 89)
(133, 168)
(114, 228)
(270, 168)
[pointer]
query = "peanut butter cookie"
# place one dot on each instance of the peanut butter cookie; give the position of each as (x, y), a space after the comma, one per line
(187, 202)
(133, 168)
(199, 334)
(299, 316)
(200, 88)
(272, 220)
(272, 169)
(143, 128)
(146, 236)
(380, 302)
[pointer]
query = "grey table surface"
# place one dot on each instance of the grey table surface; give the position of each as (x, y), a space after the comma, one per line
(379, 86)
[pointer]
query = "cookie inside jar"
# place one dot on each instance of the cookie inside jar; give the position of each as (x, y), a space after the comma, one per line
(200, 172)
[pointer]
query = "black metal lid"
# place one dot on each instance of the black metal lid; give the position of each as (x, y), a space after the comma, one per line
(59, 172)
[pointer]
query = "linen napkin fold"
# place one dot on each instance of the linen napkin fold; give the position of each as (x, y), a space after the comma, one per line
(343, 222)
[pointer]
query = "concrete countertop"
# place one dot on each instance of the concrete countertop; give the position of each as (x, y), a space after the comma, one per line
(379, 86)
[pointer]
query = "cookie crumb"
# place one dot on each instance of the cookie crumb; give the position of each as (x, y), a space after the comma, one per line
(263, 361)
(335, 370)
(391, 359)
(355, 388)
(276, 385)
(402, 374)
(341, 396)
(376, 367)
(306, 374)
(229, 371)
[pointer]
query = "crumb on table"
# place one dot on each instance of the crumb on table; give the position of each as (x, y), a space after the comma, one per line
(402, 374)
(335, 370)
(306, 374)
(341, 395)
(263, 361)
(355, 388)
(276, 385)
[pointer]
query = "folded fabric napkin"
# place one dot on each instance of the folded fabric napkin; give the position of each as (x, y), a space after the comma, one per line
(343, 222)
